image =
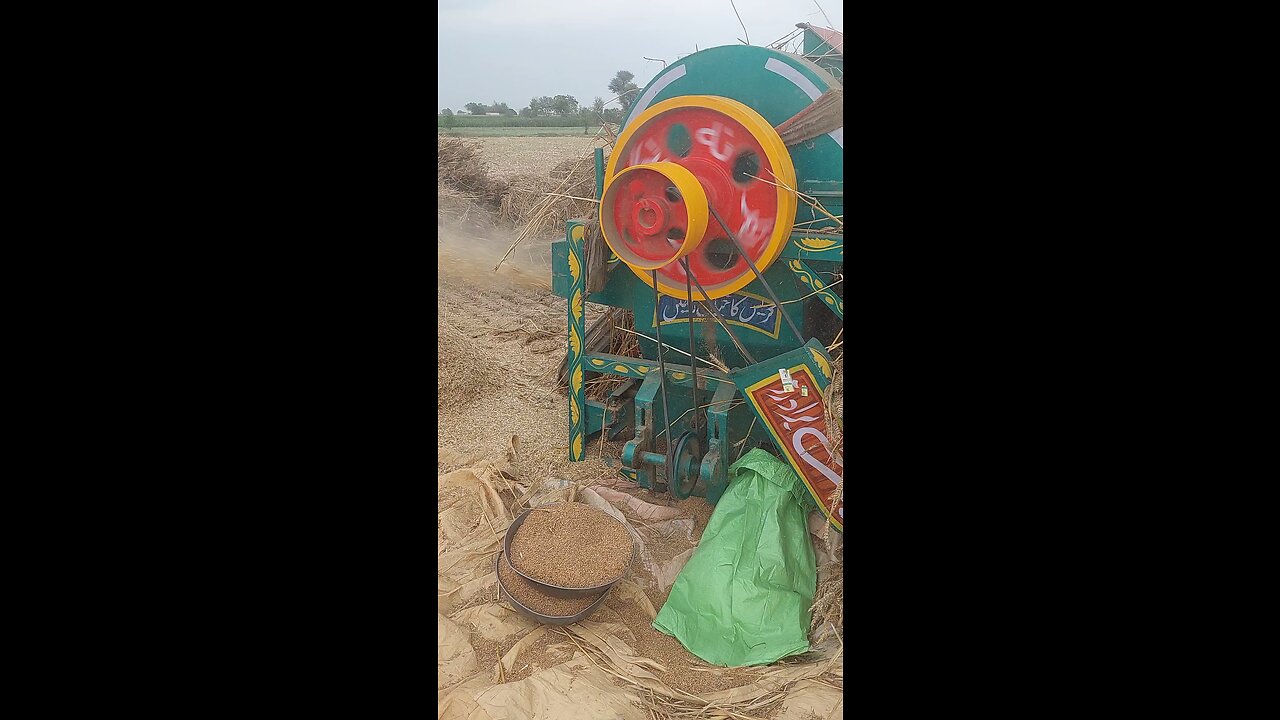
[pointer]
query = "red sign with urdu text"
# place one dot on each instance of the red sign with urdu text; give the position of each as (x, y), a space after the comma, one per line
(794, 413)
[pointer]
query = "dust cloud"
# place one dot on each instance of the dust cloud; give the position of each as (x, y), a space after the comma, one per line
(471, 241)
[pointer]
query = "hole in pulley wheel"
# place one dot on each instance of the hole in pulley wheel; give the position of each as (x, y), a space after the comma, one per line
(721, 254)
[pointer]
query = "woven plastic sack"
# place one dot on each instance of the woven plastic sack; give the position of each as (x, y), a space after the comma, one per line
(744, 596)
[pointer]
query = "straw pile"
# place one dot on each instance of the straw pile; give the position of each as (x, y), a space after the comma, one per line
(541, 205)
(461, 171)
(834, 402)
(828, 601)
(819, 118)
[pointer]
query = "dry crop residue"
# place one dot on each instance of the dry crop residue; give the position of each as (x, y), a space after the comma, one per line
(571, 545)
(683, 670)
(701, 511)
(501, 340)
(548, 650)
(509, 156)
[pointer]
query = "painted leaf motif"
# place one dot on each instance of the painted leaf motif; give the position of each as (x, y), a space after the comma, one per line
(575, 266)
(816, 243)
(822, 363)
(575, 304)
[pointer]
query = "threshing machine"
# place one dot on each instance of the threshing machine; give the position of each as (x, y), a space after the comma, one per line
(721, 228)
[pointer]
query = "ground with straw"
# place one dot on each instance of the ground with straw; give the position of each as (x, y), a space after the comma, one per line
(501, 343)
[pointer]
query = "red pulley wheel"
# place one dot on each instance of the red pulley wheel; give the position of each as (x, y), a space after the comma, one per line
(742, 169)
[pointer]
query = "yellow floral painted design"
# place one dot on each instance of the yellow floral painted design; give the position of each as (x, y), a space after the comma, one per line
(575, 266)
(808, 278)
(576, 304)
(822, 363)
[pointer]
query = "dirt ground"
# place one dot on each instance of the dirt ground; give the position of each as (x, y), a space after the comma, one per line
(501, 337)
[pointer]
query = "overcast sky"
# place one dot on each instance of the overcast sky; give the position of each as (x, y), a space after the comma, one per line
(513, 50)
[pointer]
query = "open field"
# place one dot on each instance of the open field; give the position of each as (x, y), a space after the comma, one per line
(507, 156)
(519, 131)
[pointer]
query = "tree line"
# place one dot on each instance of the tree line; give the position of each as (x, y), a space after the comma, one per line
(561, 108)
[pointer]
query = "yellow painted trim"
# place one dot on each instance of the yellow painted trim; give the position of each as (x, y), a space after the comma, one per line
(575, 267)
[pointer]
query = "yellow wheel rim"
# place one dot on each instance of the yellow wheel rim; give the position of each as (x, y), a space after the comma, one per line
(653, 215)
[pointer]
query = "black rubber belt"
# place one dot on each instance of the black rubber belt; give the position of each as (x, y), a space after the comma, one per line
(693, 356)
(662, 366)
(738, 246)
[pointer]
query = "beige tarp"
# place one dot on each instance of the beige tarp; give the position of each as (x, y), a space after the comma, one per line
(597, 673)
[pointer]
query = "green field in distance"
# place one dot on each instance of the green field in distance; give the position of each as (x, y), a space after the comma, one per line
(520, 131)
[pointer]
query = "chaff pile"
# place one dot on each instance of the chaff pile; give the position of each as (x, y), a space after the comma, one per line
(541, 208)
(463, 373)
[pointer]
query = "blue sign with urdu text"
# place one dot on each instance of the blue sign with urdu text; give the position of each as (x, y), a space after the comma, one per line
(746, 310)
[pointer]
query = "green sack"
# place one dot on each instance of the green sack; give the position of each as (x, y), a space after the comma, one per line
(744, 596)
